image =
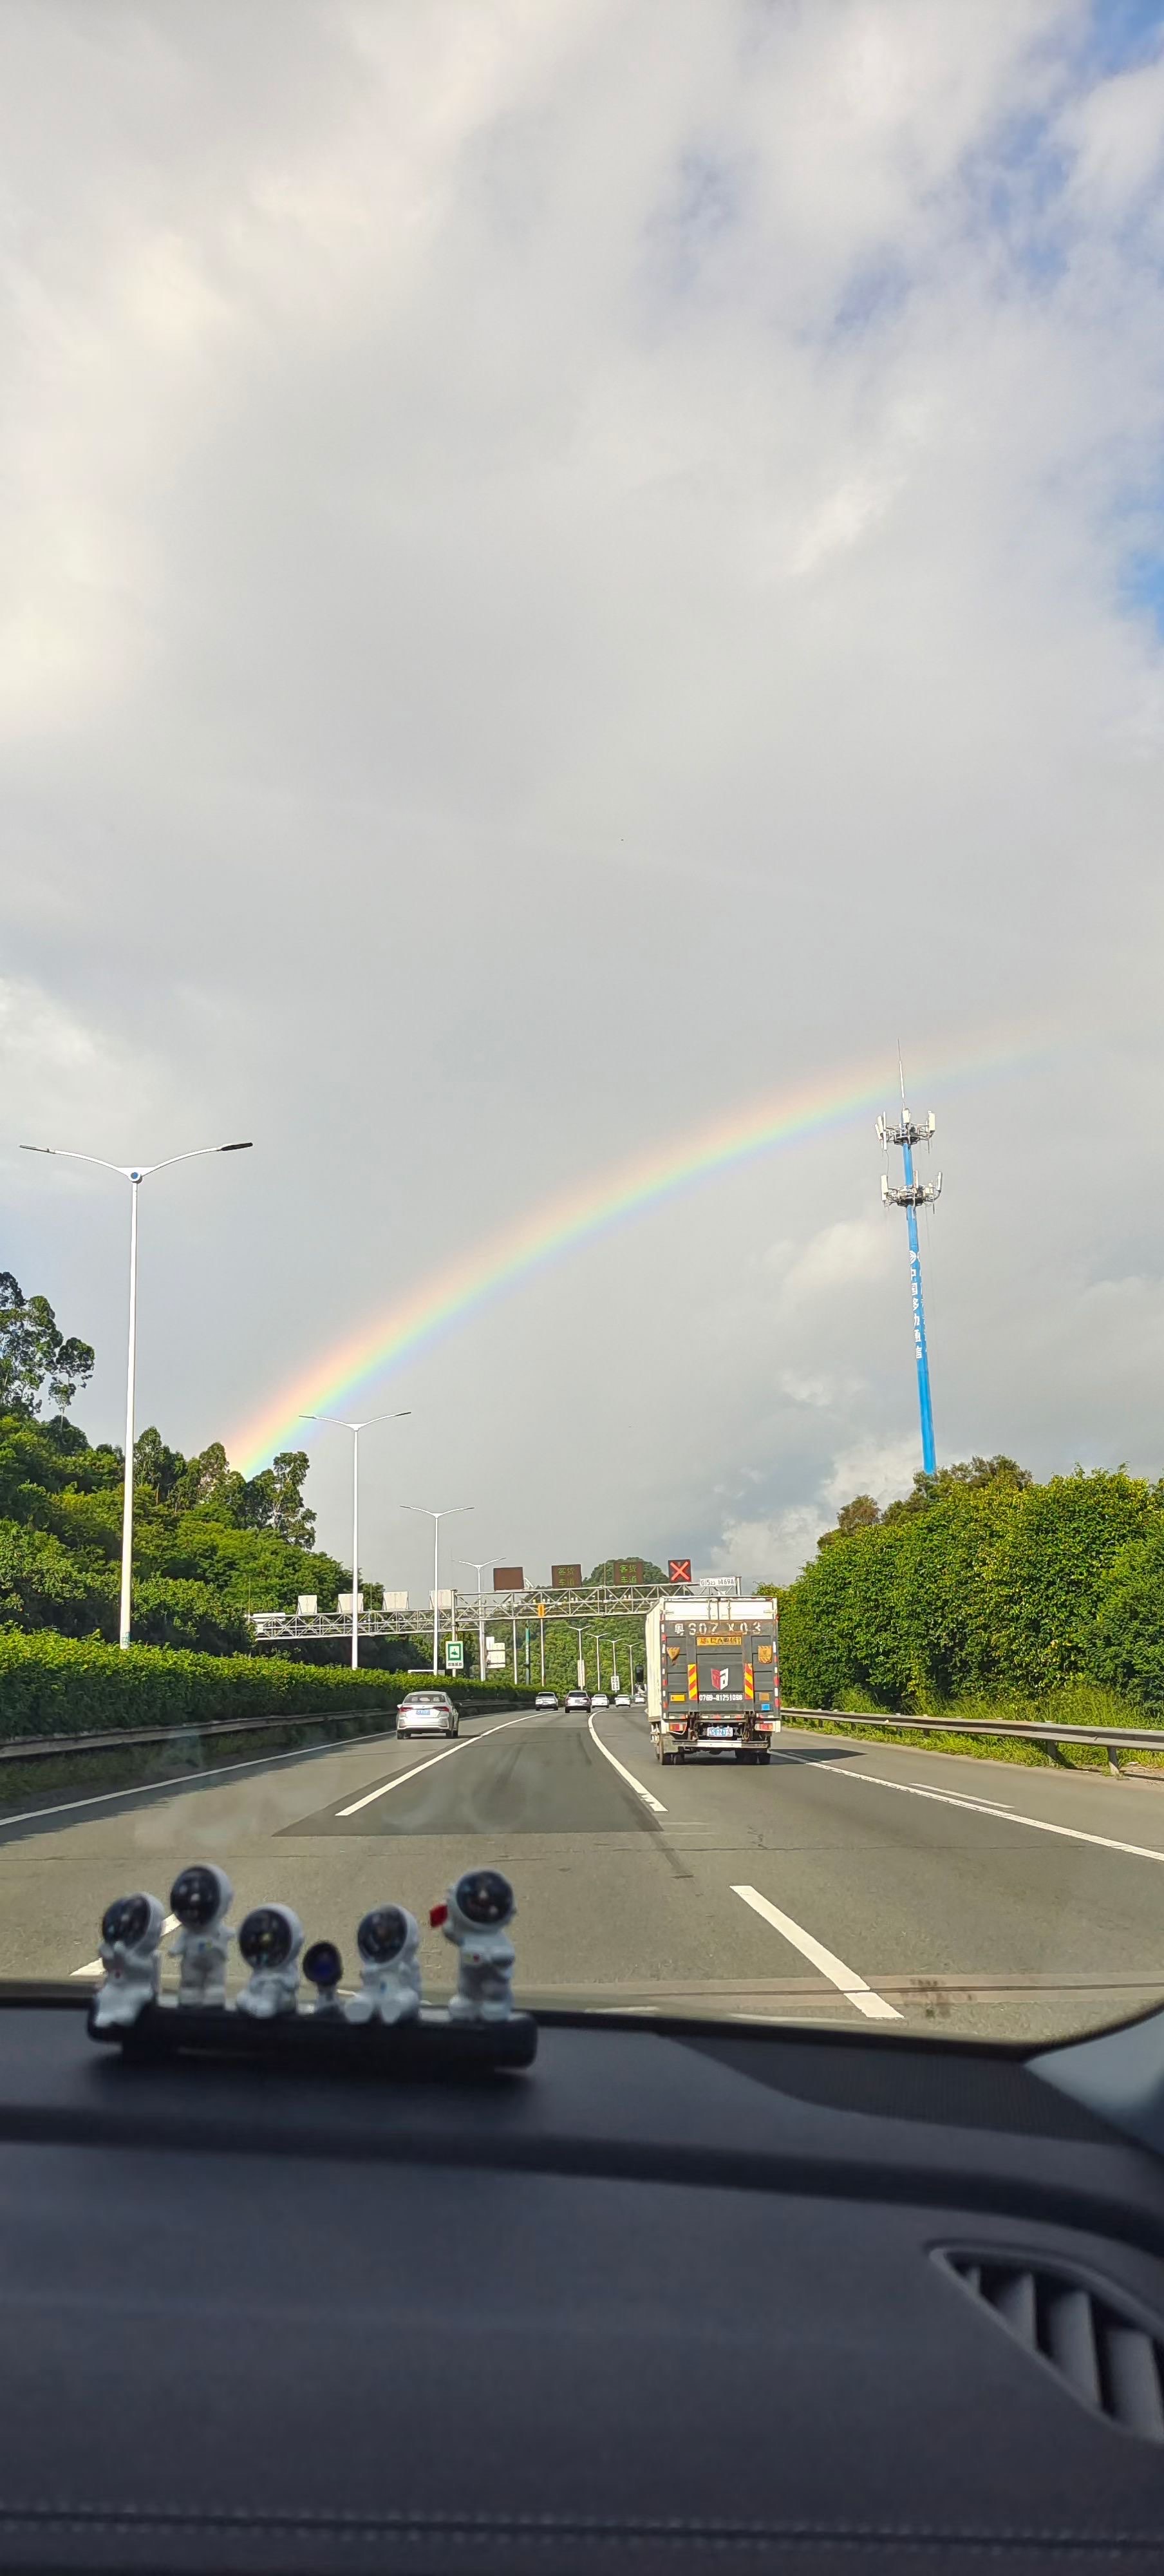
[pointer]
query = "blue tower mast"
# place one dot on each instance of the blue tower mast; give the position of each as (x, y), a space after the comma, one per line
(908, 1132)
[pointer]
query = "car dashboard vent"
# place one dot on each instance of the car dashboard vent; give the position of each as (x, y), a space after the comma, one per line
(1103, 2354)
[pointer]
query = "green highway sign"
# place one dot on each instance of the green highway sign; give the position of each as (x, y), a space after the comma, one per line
(454, 1655)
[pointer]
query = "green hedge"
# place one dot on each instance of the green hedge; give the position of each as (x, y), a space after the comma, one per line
(51, 1685)
(990, 1591)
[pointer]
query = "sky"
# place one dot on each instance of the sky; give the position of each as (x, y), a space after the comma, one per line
(568, 571)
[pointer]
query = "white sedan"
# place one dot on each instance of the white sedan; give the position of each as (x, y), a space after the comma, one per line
(426, 1713)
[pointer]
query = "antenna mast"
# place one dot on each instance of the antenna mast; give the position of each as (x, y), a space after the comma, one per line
(908, 1132)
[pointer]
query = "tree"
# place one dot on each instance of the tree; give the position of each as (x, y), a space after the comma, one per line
(983, 1582)
(170, 1612)
(290, 1517)
(970, 1475)
(205, 1481)
(156, 1469)
(34, 1355)
(42, 1585)
(209, 1544)
(861, 1513)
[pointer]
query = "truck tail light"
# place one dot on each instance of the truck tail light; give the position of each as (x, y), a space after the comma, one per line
(765, 1724)
(678, 1725)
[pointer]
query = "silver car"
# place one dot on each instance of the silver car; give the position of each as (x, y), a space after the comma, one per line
(426, 1712)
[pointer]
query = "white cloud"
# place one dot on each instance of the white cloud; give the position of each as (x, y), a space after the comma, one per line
(567, 570)
(842, 1255)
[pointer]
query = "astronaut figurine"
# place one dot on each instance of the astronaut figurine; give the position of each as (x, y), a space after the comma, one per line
(475, 1916)
(200, 1897)
(388, 1940)
(131, 1932)
(323, 1967)
(270, 1940)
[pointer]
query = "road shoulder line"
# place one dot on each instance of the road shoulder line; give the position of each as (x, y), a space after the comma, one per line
(1001, 1815)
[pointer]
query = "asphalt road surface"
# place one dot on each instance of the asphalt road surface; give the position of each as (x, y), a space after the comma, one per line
(857, 1885)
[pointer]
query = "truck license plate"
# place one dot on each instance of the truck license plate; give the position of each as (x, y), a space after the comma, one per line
(721, 1730)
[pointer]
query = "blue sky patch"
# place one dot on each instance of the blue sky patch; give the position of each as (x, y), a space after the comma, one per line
(1142, 586)
(1122, 33)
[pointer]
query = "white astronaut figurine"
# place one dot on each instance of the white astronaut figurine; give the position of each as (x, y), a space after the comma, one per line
(270, 1940)
(131, 1932)
(388, 1940)
(475, 1915)
(200, 1897)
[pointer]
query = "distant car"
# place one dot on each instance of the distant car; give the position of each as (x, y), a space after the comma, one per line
(426, 1713)
(577, 1699)
(600, 1700)
(547, 1699)
(622, 1699)
(640, 1695)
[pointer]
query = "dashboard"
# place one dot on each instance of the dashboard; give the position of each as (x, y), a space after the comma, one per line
(676, 2297)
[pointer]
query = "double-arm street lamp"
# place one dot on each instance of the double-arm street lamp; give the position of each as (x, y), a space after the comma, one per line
(135, 1174)
(448, 1511)
(339, 1424)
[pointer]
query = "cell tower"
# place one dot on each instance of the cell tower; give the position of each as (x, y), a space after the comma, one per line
(908, 1132)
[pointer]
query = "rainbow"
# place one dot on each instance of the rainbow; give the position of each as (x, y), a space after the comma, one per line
(462, 1287)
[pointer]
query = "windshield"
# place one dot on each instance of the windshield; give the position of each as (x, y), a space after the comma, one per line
(581, 729)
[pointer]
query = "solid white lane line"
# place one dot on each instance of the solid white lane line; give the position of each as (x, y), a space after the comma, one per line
(190, 1780)
(846, 1980)
(1004, 1815)
(94, 1967)
(464, 1744)
(655, 1804)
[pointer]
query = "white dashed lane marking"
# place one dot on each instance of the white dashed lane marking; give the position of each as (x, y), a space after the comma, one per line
(846, 1980)
(463, 1745)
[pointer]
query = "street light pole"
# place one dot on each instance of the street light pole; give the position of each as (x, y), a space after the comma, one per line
(355, 1428)
(125, 1613)
(135, 1174)
(447, 1511)
(479, 1569)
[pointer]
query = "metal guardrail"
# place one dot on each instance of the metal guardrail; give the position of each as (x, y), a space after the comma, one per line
(34, 1748)
(1110, 1739)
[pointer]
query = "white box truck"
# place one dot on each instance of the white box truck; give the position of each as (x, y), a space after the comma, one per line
(713, 1677)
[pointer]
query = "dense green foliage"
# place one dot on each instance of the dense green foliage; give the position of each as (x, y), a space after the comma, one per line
(35, 1358)
(983, 1582)
(208, 1544)
(52, 1685)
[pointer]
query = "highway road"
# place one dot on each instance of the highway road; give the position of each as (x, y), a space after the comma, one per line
(857, 1885)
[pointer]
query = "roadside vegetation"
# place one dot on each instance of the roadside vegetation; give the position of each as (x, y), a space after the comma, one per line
(209, 1544)
(986, 1596)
